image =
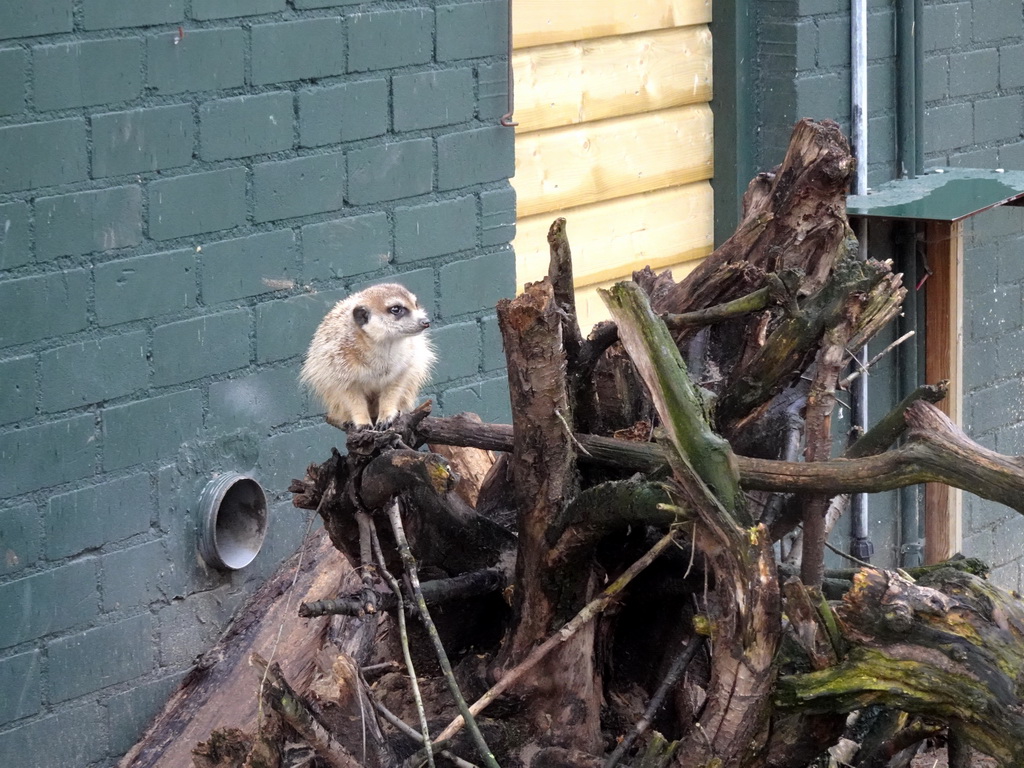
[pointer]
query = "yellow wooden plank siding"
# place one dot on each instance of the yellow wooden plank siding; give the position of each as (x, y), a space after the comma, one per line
(611, 239)
(615, 134)
(542, 22)
(558, 85)
(580, 164)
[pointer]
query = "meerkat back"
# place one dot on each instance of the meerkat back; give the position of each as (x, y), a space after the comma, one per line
(370, 356)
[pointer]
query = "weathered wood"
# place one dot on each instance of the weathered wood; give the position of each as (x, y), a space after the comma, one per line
(950, 648)
(221, 691)
(567, 705)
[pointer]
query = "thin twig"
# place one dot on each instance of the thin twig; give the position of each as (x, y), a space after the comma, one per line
(395, 515)
(569, 432)
(852, 559)
(675, 671)
(865, 367)
(586, 614)
(404, 635)
(412, 733)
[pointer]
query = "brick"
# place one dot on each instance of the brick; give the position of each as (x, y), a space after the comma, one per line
(436, 228)
(47, 455)
(997, 119)
(20, 538)
(997, 313)
(346, 247)
(42, 154)
(142, 140)
(297, 50)
(261, 401)
(299, 187)
(87, 73)
(472, 157)
(129, 436)
(386, 39)
(17, 388)
(973, 72)
(823, 94)
(1011, 66)
(346, 112)
(90, 517)
(987, 407)
(131, 577)
(246, 125)
(130, 712)
(86, 222)
(458, 351)
(30, 603)
(15, 239)
(100, 657)
(936, 78)
(13, 66)
(498, 216)
(488, 399)
(996, 20)
(284, 328)
(430, 99)
(946, 26)
(948, 127)
(493, 349)
(247, 266)
(72, 737)
(145, 286)
(833, 42)
(389, 172)
(43, 306)
(192, 626)
(41, 17)
(19, 680)
(301, 4)
(104, 14)
(492, 90)
(204, 60)
(191, 349)
(472, 30)
(282, 453)
(474, 284)
(92, 371)
(197, 203)
(226, 9)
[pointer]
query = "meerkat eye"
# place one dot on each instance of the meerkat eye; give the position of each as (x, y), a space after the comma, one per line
(398, 310)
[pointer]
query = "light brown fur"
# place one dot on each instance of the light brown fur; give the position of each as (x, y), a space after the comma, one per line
(370, 356)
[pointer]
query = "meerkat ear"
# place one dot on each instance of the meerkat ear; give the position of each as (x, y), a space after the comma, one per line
(361, 315)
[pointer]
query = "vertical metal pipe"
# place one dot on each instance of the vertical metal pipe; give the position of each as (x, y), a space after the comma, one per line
(860, 543)
(910, 154)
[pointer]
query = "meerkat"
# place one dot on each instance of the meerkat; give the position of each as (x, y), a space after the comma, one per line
(370, 356)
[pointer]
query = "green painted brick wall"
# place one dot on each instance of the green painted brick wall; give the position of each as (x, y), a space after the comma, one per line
(178, 211)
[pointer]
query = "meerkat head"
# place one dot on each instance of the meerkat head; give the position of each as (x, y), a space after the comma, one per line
(389, 310)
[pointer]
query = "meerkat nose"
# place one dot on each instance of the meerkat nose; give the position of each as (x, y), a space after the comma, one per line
(425, 323)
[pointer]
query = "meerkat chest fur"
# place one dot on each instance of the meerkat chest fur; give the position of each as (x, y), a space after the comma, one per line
(370, 356)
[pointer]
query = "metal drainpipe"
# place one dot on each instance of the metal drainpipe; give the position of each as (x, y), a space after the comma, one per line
(860, 543)
(909, 151)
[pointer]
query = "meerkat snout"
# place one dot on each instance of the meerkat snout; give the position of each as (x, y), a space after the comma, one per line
(370, 356)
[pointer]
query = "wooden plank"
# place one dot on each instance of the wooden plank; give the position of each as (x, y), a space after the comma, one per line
(944, 338)
(611, 239)
(576, 82)
(542, 22)
(568, 167)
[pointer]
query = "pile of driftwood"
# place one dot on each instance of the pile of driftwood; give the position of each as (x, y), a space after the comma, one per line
(608, 589)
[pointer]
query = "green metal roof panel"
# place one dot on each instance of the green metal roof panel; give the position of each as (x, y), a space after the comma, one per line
(940, 194)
